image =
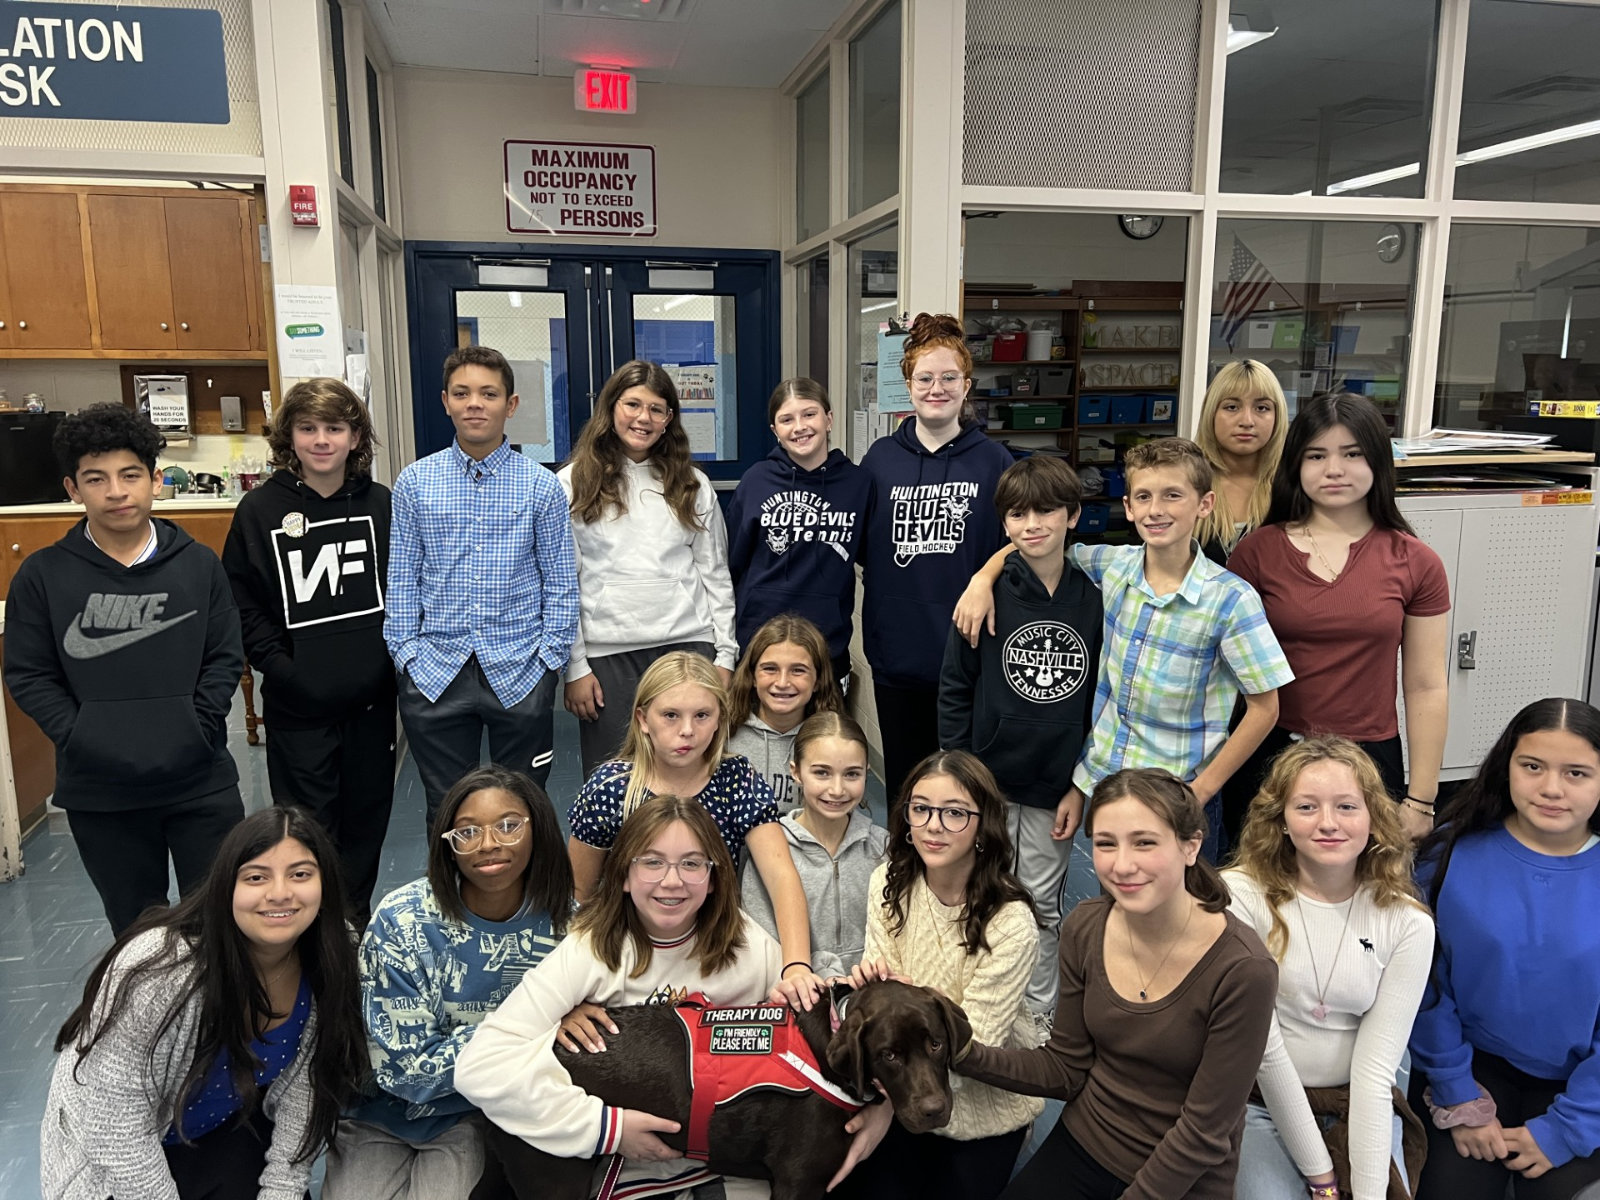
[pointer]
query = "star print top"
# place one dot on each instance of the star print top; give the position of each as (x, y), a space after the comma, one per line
(216, 1100)
(737, 798)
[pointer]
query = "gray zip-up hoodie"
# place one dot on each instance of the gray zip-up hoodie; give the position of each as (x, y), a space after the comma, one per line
(769, 753)
(835, 886)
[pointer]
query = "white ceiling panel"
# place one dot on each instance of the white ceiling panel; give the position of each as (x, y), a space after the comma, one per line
(461, 35)
(650, 50)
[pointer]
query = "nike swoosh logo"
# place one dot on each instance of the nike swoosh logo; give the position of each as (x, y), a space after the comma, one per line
(80, 645)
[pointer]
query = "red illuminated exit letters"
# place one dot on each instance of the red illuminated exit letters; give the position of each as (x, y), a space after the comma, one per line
(598, 90)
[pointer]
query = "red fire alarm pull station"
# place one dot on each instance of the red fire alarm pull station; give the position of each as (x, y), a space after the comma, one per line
(595, 89)
(303, 204)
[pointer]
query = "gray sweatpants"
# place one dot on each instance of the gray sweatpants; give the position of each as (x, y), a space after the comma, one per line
(370, 1163)
(1041, 864)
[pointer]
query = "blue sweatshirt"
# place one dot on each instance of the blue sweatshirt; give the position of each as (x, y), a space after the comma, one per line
(426, 983)
(930, 525)
(793, 537)
(1517, 975)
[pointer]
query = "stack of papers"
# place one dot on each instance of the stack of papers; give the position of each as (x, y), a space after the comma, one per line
(1470, 441)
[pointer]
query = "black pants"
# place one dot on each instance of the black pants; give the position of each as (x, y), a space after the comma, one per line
(446, 734)
(919, 1166)
(343, 773)
(908, 720)
(1061, 1169)
(1246, 781)
(225, 1164)
(125, 852)
(1518, 1096)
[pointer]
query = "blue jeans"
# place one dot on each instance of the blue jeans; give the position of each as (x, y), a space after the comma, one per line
(1266, 1172)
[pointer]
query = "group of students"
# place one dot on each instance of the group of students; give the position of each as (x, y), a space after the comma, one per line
(1173, 707)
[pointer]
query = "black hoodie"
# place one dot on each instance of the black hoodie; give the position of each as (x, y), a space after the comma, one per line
(130, 671)
(1023, 700)
(308, 573)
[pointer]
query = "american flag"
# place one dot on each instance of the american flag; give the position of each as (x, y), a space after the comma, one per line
(1248, 281)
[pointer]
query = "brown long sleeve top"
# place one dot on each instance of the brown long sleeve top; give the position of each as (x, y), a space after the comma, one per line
(1155, 1092)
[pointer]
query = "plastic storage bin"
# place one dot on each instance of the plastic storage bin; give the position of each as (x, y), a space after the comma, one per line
(1031, 416)
(1010, 347)
(1095, 518)
(1094, 409)
(1127, 410)
(1161, 410)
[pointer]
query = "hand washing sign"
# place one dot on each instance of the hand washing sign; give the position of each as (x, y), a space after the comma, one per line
(580, 188)
(112, 62)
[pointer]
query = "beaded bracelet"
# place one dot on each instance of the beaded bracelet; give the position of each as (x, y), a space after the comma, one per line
(1324, 1191)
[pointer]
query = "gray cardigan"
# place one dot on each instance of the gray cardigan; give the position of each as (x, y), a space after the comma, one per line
(106, 1116)
(835, 887)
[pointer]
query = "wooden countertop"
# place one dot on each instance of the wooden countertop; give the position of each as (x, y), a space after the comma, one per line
(163, 508)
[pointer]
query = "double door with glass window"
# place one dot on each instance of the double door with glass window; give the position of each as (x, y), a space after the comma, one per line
(566, 319)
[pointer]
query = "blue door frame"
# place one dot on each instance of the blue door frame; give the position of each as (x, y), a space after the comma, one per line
(596, 281)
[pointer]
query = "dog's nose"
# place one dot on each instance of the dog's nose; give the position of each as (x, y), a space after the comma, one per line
(931, 1106)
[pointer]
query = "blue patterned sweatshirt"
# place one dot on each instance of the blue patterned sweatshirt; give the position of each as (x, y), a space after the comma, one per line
(426, 983)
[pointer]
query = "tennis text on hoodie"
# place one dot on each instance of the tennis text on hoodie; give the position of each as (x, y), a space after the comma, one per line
(788, 518)
(929, 518)
(124, 620)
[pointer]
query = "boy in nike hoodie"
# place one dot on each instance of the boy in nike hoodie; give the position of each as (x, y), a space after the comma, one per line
(1022, 700)
(307, 557)
(122, 642)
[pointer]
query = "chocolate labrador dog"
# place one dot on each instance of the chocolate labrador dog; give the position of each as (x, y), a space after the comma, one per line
(898, 1035)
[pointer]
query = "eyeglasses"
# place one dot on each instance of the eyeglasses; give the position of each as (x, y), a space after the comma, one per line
(924, 379)
(951, 820)
(465, 839)
(658, 412)
(653, 869)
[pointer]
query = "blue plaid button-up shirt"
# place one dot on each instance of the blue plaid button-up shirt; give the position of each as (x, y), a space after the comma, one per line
(480, 562)
(1172, 666)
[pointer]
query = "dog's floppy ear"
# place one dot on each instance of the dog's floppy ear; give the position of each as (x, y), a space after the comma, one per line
(958, 1028)
(847, 1052)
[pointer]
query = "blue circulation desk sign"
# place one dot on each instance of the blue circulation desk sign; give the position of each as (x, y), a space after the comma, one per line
(112, 62)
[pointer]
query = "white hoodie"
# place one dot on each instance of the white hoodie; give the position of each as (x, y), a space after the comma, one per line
(644, 580)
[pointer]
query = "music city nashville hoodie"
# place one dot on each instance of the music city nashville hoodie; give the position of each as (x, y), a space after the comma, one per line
(931, 524)
(793, 537)
(308, 573)
(1023, 699)
(130, 671)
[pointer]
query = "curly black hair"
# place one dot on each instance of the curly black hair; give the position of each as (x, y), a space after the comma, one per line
(102, 428)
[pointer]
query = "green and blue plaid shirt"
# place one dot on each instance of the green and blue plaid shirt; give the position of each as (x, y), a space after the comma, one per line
(1171, 666)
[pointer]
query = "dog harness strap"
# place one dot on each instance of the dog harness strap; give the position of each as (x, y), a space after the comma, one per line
(735, 1050)
(608, 1184)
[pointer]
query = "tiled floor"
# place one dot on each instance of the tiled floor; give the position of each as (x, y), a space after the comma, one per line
(52, 929)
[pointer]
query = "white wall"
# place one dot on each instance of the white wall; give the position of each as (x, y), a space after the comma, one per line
(719, 155)
(1050, 250)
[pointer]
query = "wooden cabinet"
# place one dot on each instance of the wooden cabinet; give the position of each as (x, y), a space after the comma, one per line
(46, 297)
(21, 536)
(150, 273)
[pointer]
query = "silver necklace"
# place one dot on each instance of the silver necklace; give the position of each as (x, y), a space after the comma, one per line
(1144, 984)
(1320, 1009)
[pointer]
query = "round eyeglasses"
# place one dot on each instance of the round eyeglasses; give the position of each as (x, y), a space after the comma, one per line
(924, 380)
(951, 820)
(507, 831)
(652, 868)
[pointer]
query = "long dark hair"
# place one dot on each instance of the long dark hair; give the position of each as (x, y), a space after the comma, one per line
(596, 461)
(234, 1006)
(1171, 799)
(547, 882)
(1484, 801)
(991, 884)
(1291, 505)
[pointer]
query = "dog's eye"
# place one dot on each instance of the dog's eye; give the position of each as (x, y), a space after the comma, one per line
(935, 1046)
(888, 1056)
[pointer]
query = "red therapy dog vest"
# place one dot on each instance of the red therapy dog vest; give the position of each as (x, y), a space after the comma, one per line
(740, 1049)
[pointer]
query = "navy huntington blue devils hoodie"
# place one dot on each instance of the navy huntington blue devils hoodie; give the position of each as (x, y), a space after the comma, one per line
(128, 670)
(931, 524)
(793, 537)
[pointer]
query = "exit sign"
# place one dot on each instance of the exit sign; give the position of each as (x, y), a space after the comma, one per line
(595, 90)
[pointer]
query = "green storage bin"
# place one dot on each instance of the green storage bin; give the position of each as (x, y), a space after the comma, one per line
(1032, 416)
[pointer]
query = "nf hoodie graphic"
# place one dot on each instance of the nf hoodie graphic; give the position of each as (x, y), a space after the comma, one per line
(130, 671)
(793, 539)
(1023, 700)
(931, 524)
(308, 574)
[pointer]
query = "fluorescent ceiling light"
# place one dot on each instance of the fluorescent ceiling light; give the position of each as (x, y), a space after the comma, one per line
(1550, 137)
(1377, 177)
(1238, 39)
(876, 307)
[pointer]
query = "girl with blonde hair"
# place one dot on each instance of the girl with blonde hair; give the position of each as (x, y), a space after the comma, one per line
(1243, 423)
(652, 553)
(677, 744)
(1323, 874)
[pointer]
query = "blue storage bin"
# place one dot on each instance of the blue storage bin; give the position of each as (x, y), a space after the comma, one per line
(1161, 408)
(1127, 410)
(1094, 518)
(1094, 410)
(1116, 481)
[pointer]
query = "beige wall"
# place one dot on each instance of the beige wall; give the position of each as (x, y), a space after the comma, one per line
(719, 155)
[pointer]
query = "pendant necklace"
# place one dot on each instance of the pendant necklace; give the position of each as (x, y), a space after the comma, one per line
(1144, 984)
(1321, 557)
(1320, 1009)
